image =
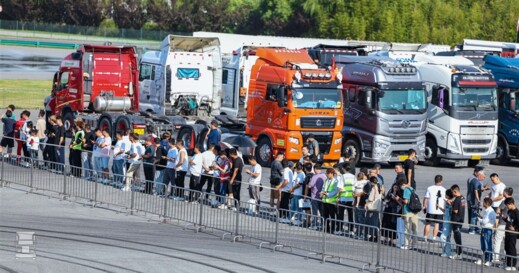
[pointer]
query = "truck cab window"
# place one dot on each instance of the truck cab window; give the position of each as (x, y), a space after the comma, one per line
(145, 73)
(63, 80)
(272, 92)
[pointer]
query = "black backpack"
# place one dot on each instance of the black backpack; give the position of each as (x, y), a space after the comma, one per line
(414, 202)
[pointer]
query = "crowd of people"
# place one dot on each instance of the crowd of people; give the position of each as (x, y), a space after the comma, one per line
(352, 203)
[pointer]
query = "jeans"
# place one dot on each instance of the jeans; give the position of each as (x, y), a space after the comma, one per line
(400, 232)
(222, 191)
(446, 239)
(294, 207)
(486, 243)
(456, 229)
(372, 220)
(360, 218)
(473, 218)
(117, 169)
(86, 159)
(60, 158)
(168, 178)
(159, 186)
(317, 209)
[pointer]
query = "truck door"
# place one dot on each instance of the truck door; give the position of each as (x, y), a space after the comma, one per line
(508, 115)
(61, 92)
(146, 78)
(276, 103)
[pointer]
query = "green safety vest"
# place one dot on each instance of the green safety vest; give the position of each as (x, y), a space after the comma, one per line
(329, 186)
(347, 191)
(76, 137)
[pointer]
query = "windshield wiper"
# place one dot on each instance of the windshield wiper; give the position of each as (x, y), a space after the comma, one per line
(393, 109)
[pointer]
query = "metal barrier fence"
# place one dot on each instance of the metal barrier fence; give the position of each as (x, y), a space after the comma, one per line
(243, 220)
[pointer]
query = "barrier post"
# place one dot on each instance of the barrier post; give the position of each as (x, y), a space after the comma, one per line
(379, 245)
(323, 232)
(200, 219)
(165, 210)
(132, 200)
(2, 171)
(64, 184)
(32, 174)
(237, 228)
(276, 234)
(95, 193)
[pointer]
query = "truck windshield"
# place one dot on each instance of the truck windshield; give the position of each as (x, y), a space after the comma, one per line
(316, 98)
(402, 101)
(474, 98)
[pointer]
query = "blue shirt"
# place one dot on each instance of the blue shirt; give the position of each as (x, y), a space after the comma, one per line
(213, 137)
(407, 196)
(172, 153)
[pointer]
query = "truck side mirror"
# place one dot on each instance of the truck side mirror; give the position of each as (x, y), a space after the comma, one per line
(369, 99)
(512, 101)
(281, 96)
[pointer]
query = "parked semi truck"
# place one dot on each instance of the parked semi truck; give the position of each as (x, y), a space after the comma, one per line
(289, 98)
(183, 78)
(100, 85)
(462, 111)
(385, 108)
(506, 74)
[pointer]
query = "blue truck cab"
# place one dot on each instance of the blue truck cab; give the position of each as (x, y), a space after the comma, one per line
(506, 74)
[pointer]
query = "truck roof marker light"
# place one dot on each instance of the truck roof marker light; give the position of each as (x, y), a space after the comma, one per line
(321, 75)
(314, 75)
(308, 75)
(328, 76)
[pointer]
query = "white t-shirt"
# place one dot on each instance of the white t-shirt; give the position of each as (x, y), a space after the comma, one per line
(136, 149)
(359, 186)
(196, 169)
(255, 169)
(287, 175)
(431, 194)
(127, 144)
(105, 151)
(299, 179)
(184, 165)
(33, 142)
(496, 191)
(120, 145)
(208, 159)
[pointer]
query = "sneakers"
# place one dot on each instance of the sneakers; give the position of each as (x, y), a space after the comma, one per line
(297, 223)
(478, 262)
(284, 220)
(472, 232)
(510, 268)
(487, 263)
(222, 206)
(126, 188)
(404, 247)
(339, 233)
(455, 257)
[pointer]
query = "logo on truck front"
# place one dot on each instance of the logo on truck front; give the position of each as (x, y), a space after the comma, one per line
(406, 123)
(318, 123)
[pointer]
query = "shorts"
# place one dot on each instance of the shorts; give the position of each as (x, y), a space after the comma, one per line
(274, 193)
(433, 218)
(102, 162)
(7, 142)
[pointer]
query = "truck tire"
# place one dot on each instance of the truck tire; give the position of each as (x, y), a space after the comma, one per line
(122, 124)
(431, 153)
(104, 123)
(352, 146)
(68, 122)
(186, 135)
(201, 139)
(501, 154)
(264, 153)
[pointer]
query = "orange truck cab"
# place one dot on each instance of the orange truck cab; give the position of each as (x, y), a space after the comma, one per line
(290, 98)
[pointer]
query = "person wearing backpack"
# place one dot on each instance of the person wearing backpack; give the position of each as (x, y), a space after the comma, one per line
(411, 207)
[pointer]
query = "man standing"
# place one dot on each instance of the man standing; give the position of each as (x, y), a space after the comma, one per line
(86, 155)
(276, 177)
(214, 136)
(434, 200)
(329, 195)
(181, 169)
(148, 165)
(284, 188)
(118, 160)
(160, 163)
(409, 168)
(170, 171)
(254, 182)
(313, 147)
(297, 193)
(236, 178)
(208, 158)
(41, 126)
(410, 217)
(76, 147)
(457, 217)
(399, 170)
(497, 193)
(512, 226)
(8, 139)
(474, 190)
(104, 154)
(501, 220)
(315, 187)
(59, 141)
(195, 169)
(134, 158)
(306, 153)
(345, 198)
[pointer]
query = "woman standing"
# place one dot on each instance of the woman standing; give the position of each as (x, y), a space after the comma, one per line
(76, 148)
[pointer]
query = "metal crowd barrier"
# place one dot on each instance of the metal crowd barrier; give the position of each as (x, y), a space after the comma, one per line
(242, 221)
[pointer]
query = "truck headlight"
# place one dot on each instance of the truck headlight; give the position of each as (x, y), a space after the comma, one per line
(337, 141)
(380, 147)
(293, 140)
(453, 143)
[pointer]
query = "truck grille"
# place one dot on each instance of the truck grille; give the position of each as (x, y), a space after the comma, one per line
(475, 150)
(476, 141)
(324, 140)
(317, 122)
(403, 127)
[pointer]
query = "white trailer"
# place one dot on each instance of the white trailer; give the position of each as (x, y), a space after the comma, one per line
(183, 78)
(462, 111)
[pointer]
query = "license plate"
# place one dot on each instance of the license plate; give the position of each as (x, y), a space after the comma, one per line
(139, 131)
(402, 157)
(475, 157)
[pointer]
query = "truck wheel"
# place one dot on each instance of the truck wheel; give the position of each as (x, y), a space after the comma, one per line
(201, 139)
(264, 152)
(68, 121)
(122, 124)
(501, 154)
(186, 135)
(104, 123)
(352, 147)
(431, 153)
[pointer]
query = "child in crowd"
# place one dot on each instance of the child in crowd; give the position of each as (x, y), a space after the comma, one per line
(33, 144)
